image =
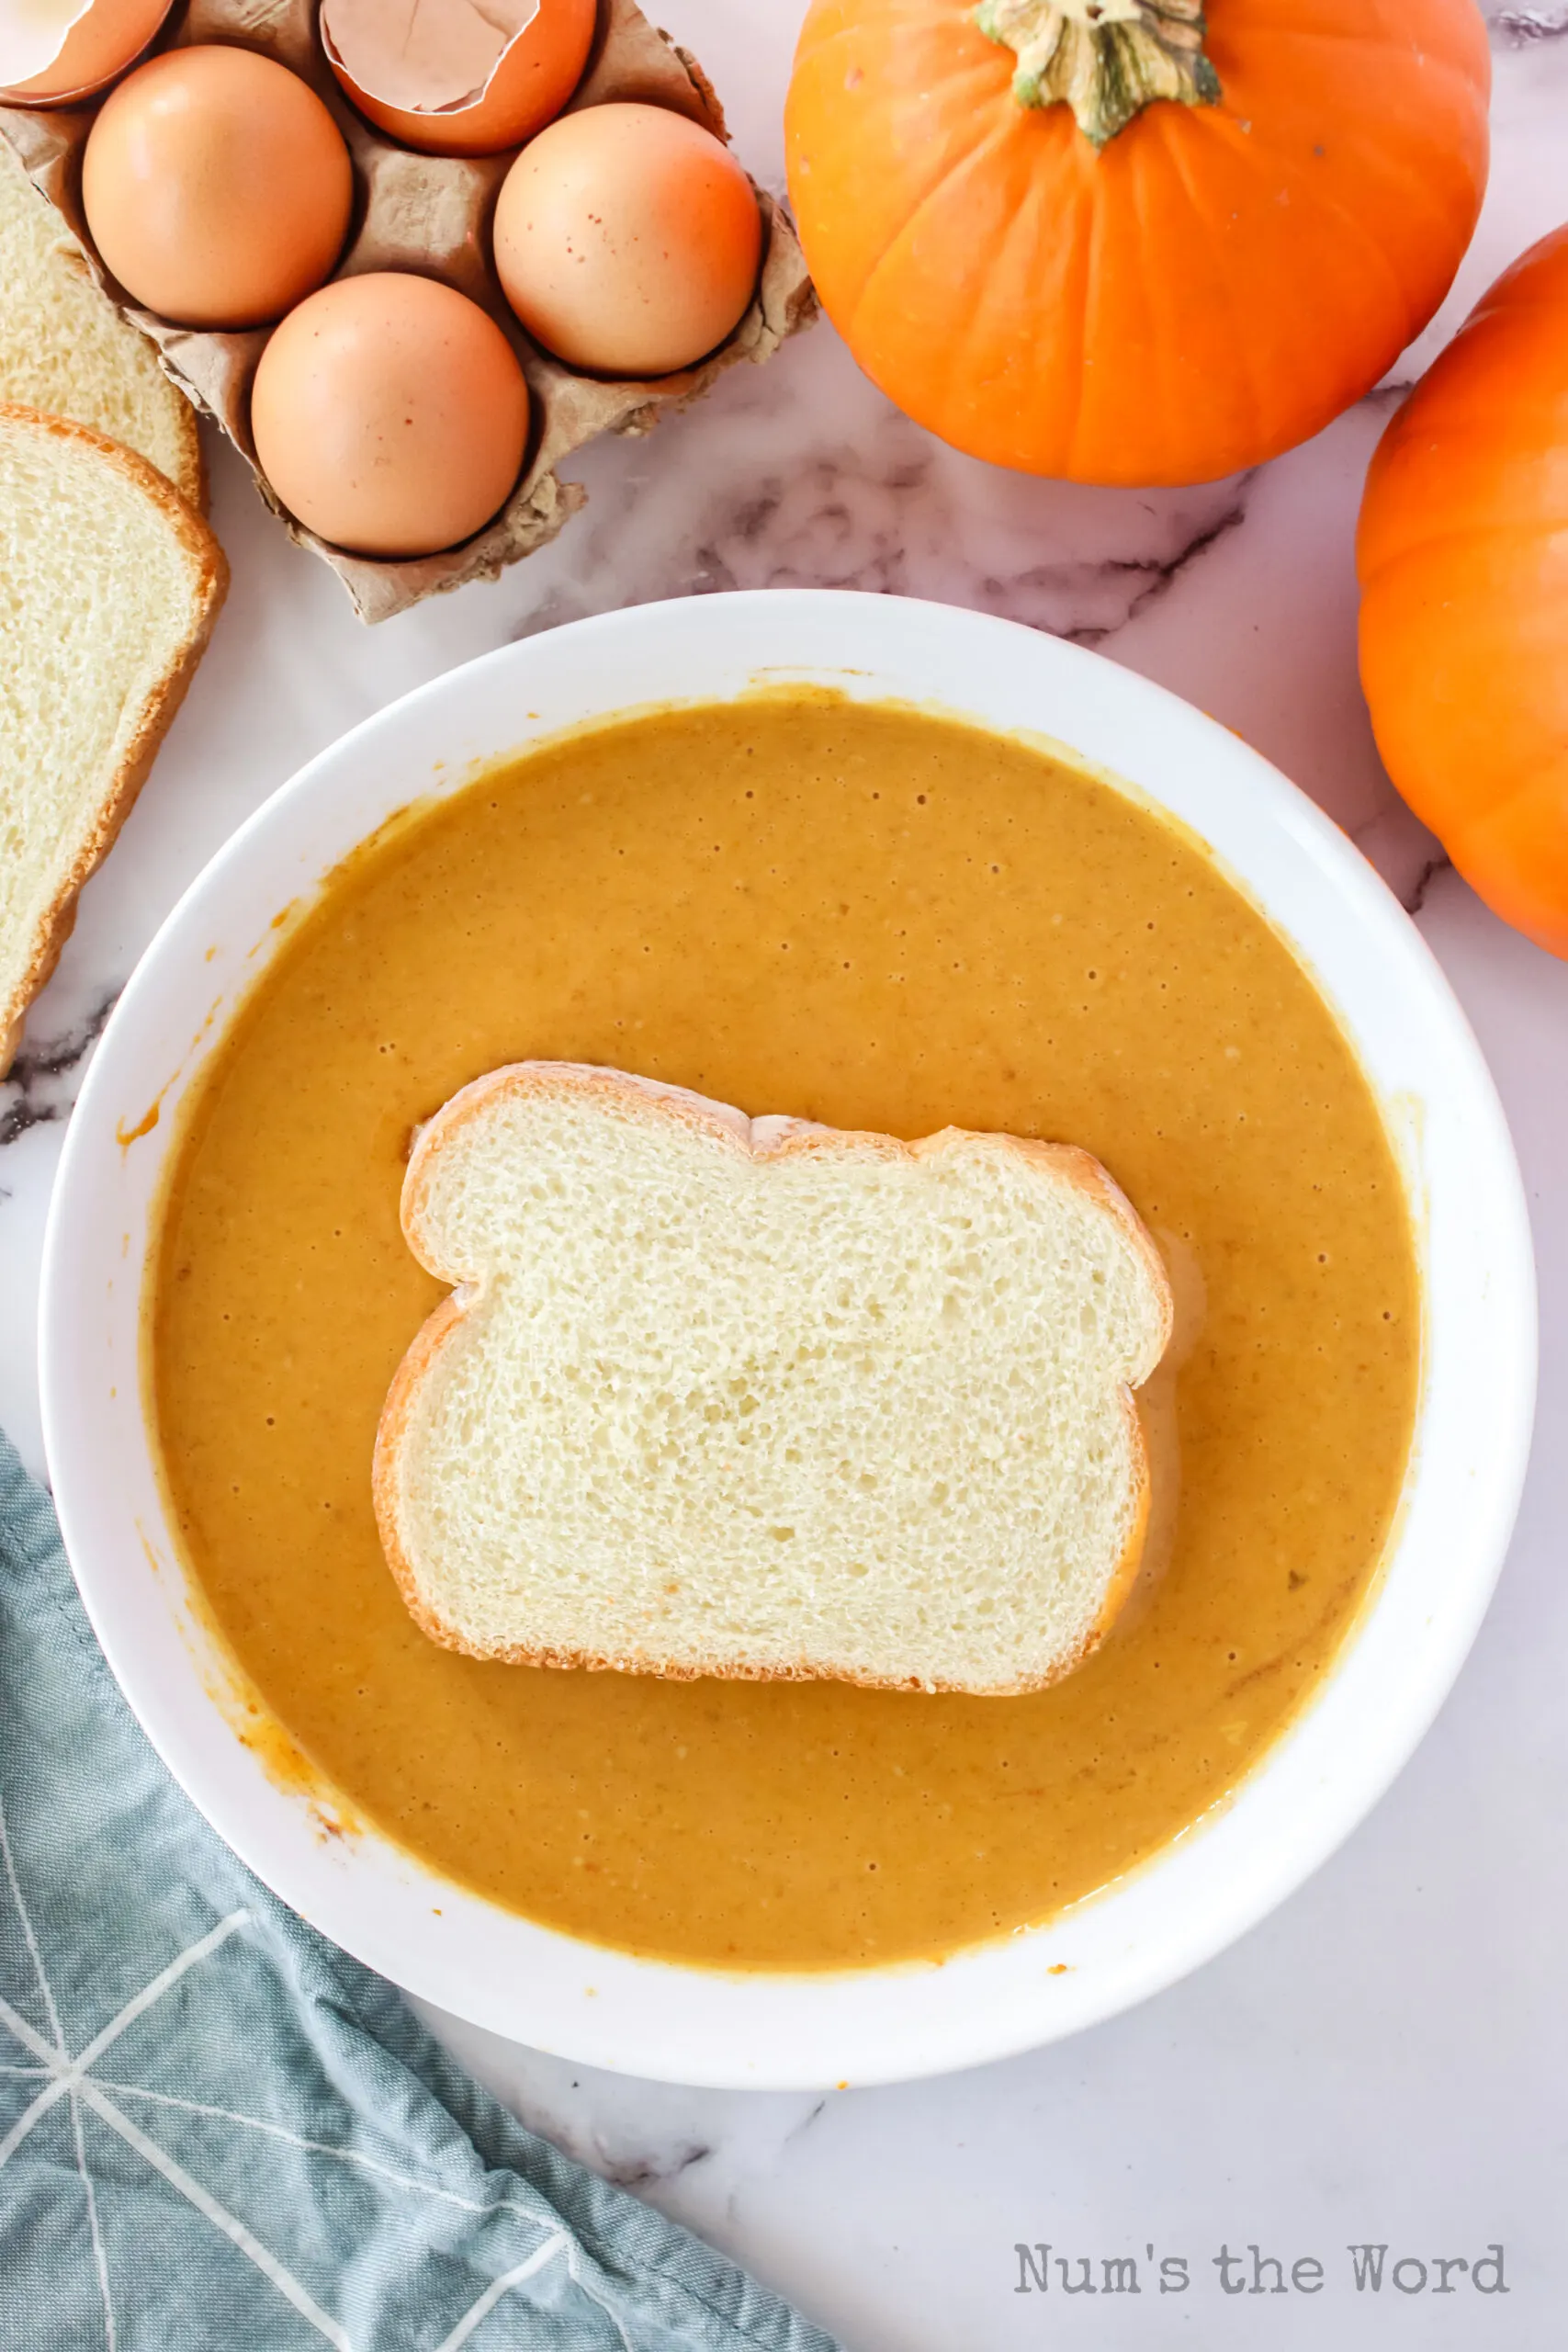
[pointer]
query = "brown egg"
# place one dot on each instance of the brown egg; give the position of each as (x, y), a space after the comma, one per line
(535, 76)
(217, 186)
(627, 240)
(389, 415)
(99, 45)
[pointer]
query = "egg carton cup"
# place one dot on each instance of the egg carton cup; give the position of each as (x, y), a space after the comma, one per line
(431, 214)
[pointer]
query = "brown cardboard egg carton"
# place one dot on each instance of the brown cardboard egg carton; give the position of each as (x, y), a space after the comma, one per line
(432, 214)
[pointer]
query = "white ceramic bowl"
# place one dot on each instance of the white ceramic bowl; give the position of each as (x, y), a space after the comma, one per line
(602, 2007)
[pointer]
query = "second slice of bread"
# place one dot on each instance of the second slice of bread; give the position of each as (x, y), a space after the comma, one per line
(65, 350)
(109, 583)
(724, 1396)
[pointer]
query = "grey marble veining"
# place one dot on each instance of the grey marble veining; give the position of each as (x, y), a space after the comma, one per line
(1519, 26)
(41, 1086)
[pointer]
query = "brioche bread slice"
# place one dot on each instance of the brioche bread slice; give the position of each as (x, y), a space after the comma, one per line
(716, 1395)
(109, 583)
(65, 350)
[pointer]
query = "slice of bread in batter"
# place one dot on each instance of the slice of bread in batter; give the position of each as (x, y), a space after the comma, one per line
(722, 1396)
(65, 350)
(109, 583)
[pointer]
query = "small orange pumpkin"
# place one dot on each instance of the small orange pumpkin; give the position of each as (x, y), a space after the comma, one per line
(1463, 552)
(1212, 245)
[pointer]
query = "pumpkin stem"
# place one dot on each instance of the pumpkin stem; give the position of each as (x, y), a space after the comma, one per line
(1106, 59)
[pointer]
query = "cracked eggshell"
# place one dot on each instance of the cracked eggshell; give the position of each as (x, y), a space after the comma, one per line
(455, 77)
(53, 52)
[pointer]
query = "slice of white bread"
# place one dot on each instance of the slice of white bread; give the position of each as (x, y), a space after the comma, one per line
(753, 1397)
(109, 583)
(64, 348)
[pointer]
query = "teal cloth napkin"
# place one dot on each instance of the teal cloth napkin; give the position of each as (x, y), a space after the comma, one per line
(217, 2130)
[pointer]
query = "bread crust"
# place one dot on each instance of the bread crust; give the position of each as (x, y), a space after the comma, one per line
(115, 805)
(795, 1138)
(191, 481)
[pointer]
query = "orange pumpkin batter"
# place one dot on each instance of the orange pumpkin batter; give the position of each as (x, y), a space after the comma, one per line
(879, 919)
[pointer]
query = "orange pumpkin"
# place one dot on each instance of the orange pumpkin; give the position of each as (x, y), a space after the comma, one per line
(1215, 242)
(1463, 552)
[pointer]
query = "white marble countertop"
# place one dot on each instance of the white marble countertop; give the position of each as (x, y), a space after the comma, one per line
(1386, 2059)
